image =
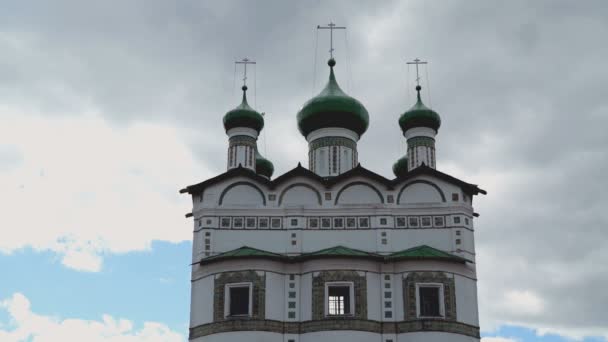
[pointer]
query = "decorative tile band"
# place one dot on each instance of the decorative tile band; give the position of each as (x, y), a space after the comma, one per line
(332, 141)
(377, 327)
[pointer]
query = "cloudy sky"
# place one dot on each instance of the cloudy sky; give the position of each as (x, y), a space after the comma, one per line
(108, 108)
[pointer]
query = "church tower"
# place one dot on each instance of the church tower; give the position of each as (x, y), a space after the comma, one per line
(333, 252)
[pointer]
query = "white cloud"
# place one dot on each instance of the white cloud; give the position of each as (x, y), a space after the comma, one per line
(84, 188)
(26, 325)
(498, 339)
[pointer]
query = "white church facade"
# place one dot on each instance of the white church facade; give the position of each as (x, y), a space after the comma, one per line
(333, 252)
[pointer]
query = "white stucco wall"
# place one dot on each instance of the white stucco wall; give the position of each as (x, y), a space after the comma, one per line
(201, 301)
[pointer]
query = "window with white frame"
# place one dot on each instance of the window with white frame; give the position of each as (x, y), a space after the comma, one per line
(238, 299)
(339, 299)
(430, 300)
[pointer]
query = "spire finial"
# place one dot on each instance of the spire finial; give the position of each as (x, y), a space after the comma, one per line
(331, 27)
(417, 61)
(245, 61)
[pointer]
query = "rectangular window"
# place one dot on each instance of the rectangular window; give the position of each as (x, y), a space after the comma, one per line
(383, 221)
(263, 222)
(291, 315)
(454, 197)
(238, 299)
(313, 222)
(338, 222)
(363, 222)
(294, 222)
(291, 305)
(426, 221)
(401, 222)
(466, 221)
(388, 314)
(388, 305)
(351, 222)
(457, 219)
(430, 300)
(275, 223)
(238, 222)
(438, 221)
(339, 297)
(412, 222)
(292, 294)
(225, 222)
(325, 222)
(250, 222)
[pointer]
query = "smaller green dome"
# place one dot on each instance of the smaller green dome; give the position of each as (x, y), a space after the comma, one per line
(400, 167)
(419, 116)
(332, 108)
(263, 166)
(244, 116)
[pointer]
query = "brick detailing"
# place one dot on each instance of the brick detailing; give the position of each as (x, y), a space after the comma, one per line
(318, 293)
(409, 293)
(259, 293)
(333, 325)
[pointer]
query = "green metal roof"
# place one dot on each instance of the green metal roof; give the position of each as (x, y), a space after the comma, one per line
(244, 252)
(244, 116)
(339, 251)
(419, 116)
(424, 252)
(332, 108)
(416, 253)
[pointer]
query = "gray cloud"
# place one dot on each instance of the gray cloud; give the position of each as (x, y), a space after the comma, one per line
(520, 87)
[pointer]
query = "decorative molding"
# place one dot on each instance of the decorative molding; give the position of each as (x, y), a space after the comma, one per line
(333, 324)
(318, 292)
(409, 293)
(242, 140)
(308, 186)
(242, 183)
(420, 181)
(332, 141)
(258, 293)
(359, 183)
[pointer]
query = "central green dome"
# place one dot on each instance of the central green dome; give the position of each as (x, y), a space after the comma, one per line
(332, 108)
(419, 116)
(244, 116)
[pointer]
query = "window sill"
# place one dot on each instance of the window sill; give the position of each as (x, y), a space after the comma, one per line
(236, 317)
(340, 316)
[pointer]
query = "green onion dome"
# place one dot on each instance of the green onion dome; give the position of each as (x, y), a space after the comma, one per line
(244, 116)
(332, 108)
(419, 116)
(263, 166)
(400, 167)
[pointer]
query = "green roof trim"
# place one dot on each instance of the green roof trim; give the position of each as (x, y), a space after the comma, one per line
(416, 253)
(332, 108)
(424, 252)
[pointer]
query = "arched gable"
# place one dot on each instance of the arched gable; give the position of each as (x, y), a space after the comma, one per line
(299, 194)
(242, 193)
(359, 193)
(420, 191)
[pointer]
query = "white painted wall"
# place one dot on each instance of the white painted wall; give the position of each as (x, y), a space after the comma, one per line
(466, 300)
(201, 301)
(243, 195)
(300, 196)
(420, 193)
(359, 194)
(275, 296)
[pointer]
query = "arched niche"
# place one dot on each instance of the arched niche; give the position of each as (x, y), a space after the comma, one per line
(420, 191)
(242, 193)
(359, 193)
(299, 194)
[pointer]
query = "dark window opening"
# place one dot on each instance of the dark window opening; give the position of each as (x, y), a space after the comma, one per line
(429, 302)
(339, 300)
(239, 301)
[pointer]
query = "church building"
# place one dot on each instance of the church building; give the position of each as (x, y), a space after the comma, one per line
(333, 251)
